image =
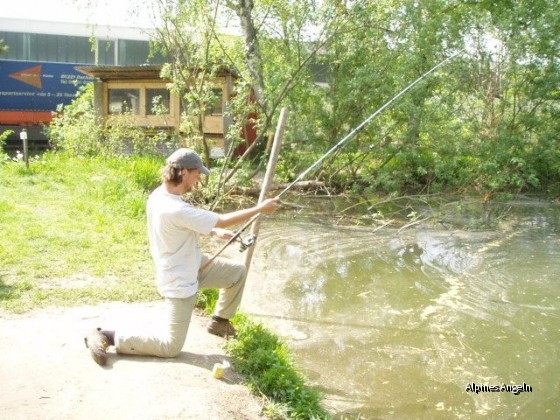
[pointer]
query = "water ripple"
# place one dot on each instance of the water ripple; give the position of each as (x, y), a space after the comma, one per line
(444, 308)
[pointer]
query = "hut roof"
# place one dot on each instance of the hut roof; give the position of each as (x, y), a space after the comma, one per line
(136, 72)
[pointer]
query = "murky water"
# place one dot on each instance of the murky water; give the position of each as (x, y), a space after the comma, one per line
(398, 324)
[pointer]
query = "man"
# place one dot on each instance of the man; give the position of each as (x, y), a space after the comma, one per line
(174, 229)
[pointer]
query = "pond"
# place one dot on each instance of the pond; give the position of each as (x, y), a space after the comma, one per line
(431, 321)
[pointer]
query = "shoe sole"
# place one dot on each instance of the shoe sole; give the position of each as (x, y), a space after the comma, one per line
(96, 342)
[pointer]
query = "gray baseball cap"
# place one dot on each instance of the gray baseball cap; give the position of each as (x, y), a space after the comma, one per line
(187, 159)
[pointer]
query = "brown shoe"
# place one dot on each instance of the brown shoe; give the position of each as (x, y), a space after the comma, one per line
(97, 343)
(221, 327)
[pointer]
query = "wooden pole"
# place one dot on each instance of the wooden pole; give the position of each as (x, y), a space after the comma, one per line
(23, 137)
(269, 175)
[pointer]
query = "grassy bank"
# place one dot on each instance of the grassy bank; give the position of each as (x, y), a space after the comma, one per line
(73, 232)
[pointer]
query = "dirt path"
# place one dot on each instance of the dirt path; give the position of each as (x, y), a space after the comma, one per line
(47, 373)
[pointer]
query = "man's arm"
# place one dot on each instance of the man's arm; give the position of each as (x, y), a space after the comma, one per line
(267, 206)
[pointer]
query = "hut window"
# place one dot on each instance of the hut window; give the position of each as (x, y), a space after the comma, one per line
(157, 102)
(215, 107)
(122, 101)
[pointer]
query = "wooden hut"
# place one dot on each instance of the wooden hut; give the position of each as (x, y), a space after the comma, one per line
(133, 90)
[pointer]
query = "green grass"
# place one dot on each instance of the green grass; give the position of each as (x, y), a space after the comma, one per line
(73, 231)
(264, 359)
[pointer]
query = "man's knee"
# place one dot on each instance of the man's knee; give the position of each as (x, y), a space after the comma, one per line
(171, 349)
(242, 270)
(238, 274)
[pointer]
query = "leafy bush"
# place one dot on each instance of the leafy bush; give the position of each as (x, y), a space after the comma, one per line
(76, 128)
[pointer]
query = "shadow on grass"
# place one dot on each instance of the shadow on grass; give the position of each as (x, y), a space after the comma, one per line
(7, 292)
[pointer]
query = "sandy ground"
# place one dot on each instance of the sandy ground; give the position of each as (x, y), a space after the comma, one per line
(47, 373)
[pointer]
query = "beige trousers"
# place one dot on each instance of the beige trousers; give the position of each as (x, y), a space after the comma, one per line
(168, 338)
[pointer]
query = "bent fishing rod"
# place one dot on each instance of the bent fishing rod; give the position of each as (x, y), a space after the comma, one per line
(337, 146)
(360, 127)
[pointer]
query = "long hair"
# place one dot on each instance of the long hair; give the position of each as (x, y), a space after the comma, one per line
(172, 175)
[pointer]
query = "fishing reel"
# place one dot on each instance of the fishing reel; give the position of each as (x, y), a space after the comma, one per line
(247, 242)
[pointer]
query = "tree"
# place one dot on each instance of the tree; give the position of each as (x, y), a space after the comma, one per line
(3, 47)
(489, 119)
(385, 46)
(190, 36)
(281, 48)
(509, 95)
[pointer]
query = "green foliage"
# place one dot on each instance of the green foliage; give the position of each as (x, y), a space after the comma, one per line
(145, 172)
(485, 121)
(290, 164)
(122, 137)
(3, 47)
(77, 129)
(3, 156)
(265, 360)
(207, 299)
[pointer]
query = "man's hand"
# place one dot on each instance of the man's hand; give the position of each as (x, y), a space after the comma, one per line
(223, 233)
(269, 205)
(266, 207)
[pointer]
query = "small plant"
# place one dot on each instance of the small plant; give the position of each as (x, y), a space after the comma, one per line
(3, 155)
(207, 299)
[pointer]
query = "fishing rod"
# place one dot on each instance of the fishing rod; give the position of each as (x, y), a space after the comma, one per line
(250, 241)
(354, 132)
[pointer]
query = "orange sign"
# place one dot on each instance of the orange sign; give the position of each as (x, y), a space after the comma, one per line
(31, 76)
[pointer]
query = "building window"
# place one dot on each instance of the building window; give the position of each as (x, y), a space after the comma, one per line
(76, 49)
(157, 102)
(124, 101)
(132, 52)
(215, 107)
(105, 52)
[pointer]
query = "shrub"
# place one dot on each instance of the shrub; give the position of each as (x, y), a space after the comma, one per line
(76, 128)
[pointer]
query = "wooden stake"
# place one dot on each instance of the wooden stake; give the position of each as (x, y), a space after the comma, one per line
(269, 175)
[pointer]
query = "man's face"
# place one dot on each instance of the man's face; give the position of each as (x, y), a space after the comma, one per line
(191, 178)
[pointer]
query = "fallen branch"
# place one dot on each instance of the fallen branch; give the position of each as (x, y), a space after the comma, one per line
(301, 186)
(414, 223)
